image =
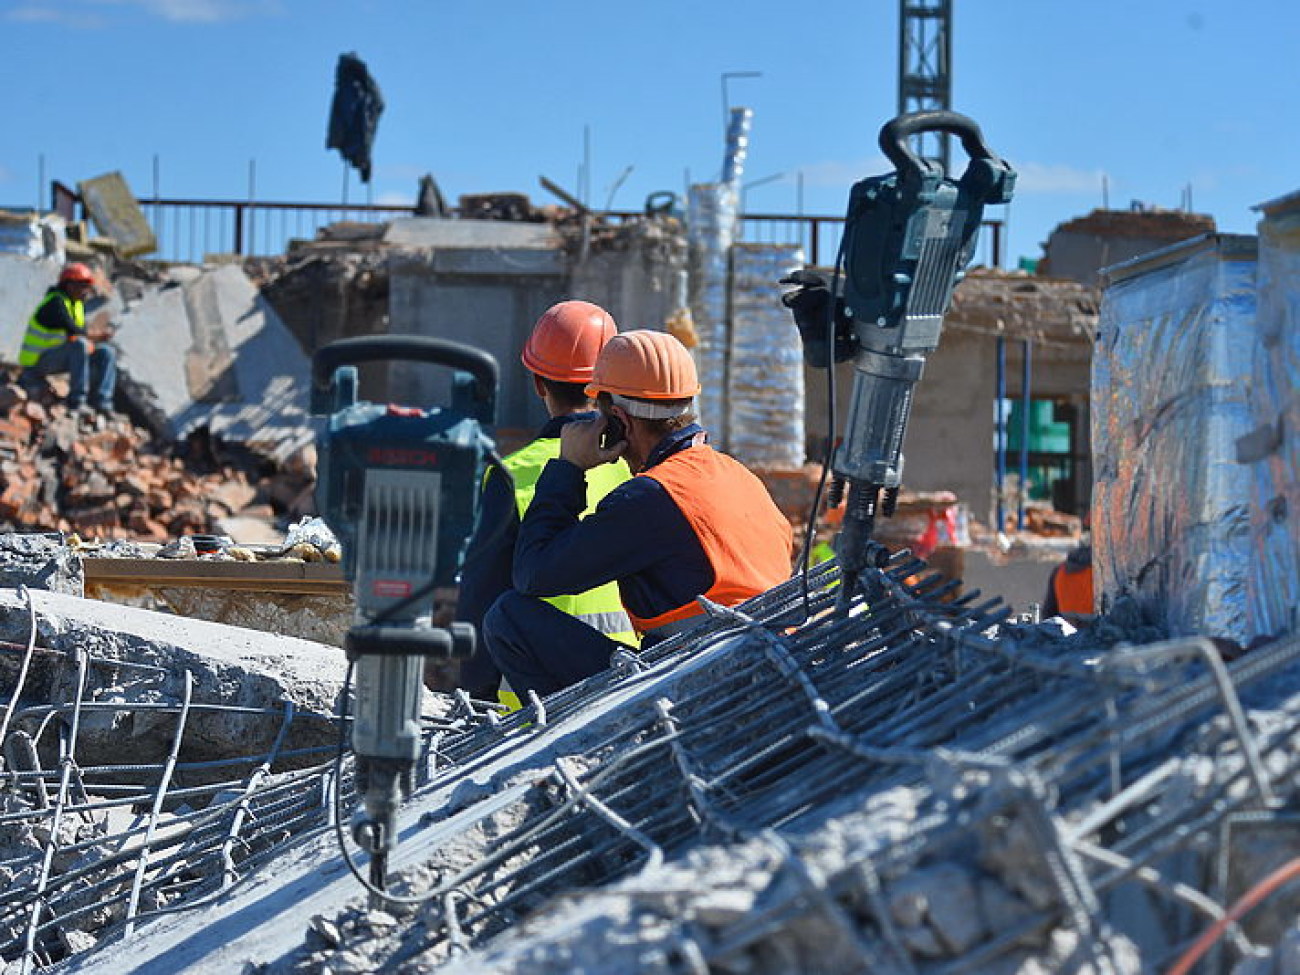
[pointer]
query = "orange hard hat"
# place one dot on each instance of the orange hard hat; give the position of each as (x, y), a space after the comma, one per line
(645, 364)
(567, 339)
(76, 271)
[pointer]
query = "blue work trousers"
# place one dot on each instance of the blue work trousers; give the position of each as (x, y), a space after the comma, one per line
(96, 372)
(537, 647)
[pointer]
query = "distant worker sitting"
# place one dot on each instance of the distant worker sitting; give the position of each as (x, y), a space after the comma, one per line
(692, 522)
(57, 340)
(560, 353)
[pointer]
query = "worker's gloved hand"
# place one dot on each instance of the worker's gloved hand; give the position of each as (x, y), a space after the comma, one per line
(811, 302)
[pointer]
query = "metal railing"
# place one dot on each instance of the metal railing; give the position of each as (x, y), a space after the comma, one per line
(191, 231)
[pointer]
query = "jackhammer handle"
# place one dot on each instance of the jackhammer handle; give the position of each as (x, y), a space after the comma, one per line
(420, 348)
(895, 133)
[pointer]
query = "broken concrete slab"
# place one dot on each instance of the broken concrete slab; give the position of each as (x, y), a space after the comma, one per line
(435, 233)
(40, 561)
(116, 213)
(23, 282)
(241, 374)
(234, 667)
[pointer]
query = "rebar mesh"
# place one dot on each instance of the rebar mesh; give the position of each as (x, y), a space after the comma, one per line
(1055, 770)
(783, 724)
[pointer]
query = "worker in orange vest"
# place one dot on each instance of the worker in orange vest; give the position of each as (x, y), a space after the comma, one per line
(1069, 590)
(691, 522)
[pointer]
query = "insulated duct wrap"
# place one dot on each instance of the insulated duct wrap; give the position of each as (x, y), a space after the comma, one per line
(766, 407)
(1271, 451)
(713, 224)
(711, 228)
(1172, 507)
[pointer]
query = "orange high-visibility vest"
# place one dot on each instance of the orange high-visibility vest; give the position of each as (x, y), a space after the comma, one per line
(1073, 590)
(744, 535)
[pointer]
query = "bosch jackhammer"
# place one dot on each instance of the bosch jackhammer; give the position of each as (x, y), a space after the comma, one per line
(399, 487)
(908, 237)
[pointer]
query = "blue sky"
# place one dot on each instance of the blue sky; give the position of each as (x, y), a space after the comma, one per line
(1149, 97)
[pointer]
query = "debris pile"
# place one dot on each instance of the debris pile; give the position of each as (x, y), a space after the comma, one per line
(103, 477)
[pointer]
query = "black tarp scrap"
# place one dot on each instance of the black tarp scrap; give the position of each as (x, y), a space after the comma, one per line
(354, 114)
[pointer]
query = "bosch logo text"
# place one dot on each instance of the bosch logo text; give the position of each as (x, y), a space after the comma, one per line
(402, 457)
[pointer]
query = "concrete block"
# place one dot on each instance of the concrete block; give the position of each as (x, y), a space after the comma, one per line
(40, 561)
(23, 282)
(229, 665)
(116, 213)
(432, 232)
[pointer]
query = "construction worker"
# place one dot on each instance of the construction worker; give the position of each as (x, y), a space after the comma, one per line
(58, 340)
(560, 353)
(691, 522)
(1069, 589)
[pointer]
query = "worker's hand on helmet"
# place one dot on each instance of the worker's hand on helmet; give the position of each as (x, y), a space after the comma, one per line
(580, 444)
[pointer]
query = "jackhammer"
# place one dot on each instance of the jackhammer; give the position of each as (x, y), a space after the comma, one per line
(399, 487)
(908, 236)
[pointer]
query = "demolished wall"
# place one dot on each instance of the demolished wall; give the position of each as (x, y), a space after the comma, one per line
(1271, 451)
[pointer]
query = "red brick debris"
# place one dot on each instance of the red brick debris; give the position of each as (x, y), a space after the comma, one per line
(102, 477)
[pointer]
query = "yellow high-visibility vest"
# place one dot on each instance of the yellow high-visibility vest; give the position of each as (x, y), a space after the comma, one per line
(40, 339)
(600, 608)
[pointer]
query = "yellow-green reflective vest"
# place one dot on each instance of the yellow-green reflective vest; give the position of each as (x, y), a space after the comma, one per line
(40, 339)
(600, 608)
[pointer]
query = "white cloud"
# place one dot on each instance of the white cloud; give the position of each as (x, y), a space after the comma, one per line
(91, 14)
(1057, 178)
(205, 11)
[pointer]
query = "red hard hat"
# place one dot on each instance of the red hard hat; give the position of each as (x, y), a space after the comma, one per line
(76, 271)
(567, 339)
(645, 364)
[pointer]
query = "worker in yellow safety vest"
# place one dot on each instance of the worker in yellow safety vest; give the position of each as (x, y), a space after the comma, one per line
(560, 353)
(58, 340)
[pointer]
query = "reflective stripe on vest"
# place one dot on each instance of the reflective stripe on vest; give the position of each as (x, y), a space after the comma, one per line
(40, 339)
(1073, 590)
(745, 537)
(600, 608)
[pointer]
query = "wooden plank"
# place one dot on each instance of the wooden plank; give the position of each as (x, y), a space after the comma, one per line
(309, 578)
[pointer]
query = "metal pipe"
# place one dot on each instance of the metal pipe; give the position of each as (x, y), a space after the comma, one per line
(1000, 432)
(1026, 403)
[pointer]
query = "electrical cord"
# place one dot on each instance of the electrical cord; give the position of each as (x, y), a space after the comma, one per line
(828, 457)
(1278, 878)
(339, 833)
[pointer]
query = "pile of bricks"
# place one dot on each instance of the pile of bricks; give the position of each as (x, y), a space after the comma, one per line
(102, 477)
